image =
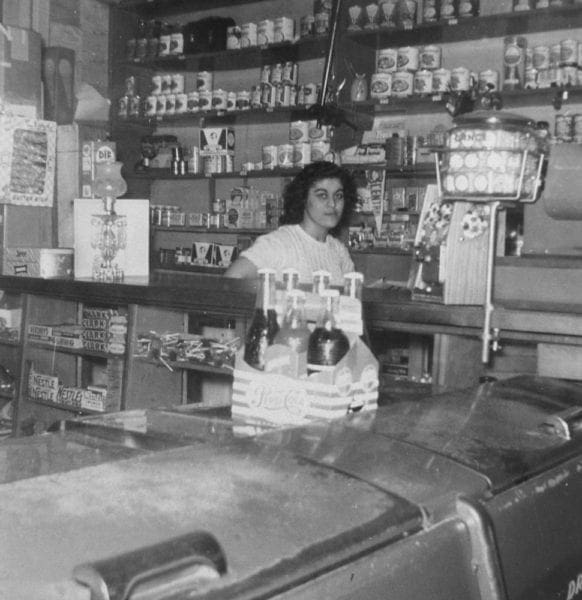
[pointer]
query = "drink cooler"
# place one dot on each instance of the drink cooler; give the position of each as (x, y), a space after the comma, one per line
(473, 494)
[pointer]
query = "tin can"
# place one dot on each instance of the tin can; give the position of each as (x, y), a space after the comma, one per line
(569, 53)
(276, 73)
(160, 105)
(429, 11)
(181, 103)
(194, 160)
(468, 8)
(441, 81)
(193, 104)
(306, 25)
(205, 100)
(166, 83)
(430, 57)
(269, 157)
(407, 58)
(380, 85)
(268, 95)
(555, 54)
(402, 84)
(150, 106)
(204, 81)
(283, 94)
(231, 101)
(164, 44)
(284, 29)
(243, 100)
(176, 43)
(219, 99)
(521, 5)
(265, 74)
(285, 155)
(577, 128)
(319, 151)
(265, 32)
(248, 35)
(541, 57)
(321, 22)
(301, 154)
(156, 84)
(298, 131)
(488, 80)
(233, 37)
(289, 72)
(544, 78)
(460, 79)
(386, 60)
(177, 83)
(564, 127)
(448, 10)
(422, 82)
(255, 96)
(170, 104)
(568, 75)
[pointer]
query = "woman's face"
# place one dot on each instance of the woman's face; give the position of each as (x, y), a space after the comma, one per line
(324, 206)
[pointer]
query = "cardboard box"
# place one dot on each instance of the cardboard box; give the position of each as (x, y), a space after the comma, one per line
(47, 263)
(20, 72)
(133, 258)
(28, 155)
(261, 397)
(94, 153)
(214, 139)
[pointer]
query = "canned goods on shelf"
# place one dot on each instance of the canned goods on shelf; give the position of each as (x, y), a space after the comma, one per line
(177, 83)
(265, 32)
(269, 157)
(402, 84)
(380, 85)
(441, 80)
(422, 82)
(193, 104)
(170, 104)
(204, 81)
(407, 58)
(386, 60)
(276, 73)
(430, 57)
(233, 37)
(166, 83)
(248, 35)
(243, 100)
(205, 100)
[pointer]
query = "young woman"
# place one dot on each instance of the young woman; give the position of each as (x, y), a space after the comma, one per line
(317, 204)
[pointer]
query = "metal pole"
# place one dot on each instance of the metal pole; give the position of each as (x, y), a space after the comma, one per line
(487, 337)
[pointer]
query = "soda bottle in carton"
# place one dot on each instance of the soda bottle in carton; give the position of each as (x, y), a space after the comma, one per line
(264, 325)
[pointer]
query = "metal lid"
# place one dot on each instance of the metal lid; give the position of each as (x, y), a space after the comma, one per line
(495, 119)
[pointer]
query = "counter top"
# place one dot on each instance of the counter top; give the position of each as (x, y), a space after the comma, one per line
(389, 307)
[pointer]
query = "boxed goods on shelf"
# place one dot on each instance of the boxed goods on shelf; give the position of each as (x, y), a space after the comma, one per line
(46, 263)
(104, 330)
(94, 153)
(47, 388)
(62, 336)
(214, 139)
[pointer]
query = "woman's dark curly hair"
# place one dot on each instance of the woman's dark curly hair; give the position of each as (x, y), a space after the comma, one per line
(295, 193)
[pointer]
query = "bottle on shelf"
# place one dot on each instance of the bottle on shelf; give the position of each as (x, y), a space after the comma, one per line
(327, 344)
(264, 326)
(294, 332)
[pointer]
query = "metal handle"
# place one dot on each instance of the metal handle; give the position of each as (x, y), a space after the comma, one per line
(564, 424)
(172, 566)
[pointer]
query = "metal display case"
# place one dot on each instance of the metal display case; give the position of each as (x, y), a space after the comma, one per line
(472, 494)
